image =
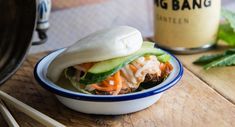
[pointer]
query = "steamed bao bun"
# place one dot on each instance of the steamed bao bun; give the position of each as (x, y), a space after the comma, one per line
(102, 45)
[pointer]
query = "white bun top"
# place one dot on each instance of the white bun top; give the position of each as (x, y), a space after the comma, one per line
(102, 45)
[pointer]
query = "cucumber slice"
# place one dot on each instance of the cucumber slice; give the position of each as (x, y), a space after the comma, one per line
(100, 71)
(164, 58)
(148, 44)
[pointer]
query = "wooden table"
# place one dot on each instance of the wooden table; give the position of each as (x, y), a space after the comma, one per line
(201, 99)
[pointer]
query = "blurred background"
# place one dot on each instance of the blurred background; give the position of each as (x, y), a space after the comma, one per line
(73, 19)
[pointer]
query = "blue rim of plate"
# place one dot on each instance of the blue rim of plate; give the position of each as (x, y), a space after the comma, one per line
(105, 98)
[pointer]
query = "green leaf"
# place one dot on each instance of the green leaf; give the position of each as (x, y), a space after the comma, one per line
(70, 75)
(148, 44)
(230, 17)
(227, 30)
(230, 51)
(164, 58)
(208, 58)
(222, 62)
(227, 34)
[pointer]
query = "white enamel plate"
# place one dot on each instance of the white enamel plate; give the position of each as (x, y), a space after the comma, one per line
(106, 104)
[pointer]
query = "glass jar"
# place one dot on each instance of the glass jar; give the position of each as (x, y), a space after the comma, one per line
(186, 26)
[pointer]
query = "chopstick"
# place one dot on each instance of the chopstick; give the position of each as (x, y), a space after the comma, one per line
(38, 116)
(7, 116)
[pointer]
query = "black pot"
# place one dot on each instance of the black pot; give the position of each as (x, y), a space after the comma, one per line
(17, 24)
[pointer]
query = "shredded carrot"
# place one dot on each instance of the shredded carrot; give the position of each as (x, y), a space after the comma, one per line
(107, 89)
(162, 66)
(119, 87)
(110, 78)
(87, 66)
(118, 82)
(169, 66)
(116, 78)
(133, 68)
(105, 83)
(166, 67)
(139, 79)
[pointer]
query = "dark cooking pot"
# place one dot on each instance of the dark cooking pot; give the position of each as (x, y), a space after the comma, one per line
(17, 24)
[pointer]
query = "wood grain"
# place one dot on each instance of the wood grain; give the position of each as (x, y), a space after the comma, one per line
(190, 103)
(220, 79)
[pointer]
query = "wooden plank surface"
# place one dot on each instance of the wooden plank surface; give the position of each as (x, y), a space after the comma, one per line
(220, 79)
(190, 103)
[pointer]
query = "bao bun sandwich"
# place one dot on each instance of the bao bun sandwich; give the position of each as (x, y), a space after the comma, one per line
(111, 62)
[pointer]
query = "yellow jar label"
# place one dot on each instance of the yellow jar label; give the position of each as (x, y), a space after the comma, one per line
(186, 23)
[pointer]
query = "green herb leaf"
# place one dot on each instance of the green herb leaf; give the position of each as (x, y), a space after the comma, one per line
(227, 34)
(217, 60)
(222, 62)
(230, 51)
(208, 58)
(230, 17)
(227, 30)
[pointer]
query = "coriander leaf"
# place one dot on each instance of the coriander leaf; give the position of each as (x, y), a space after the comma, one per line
(230, 17)
(227, 34)
(208, 58)
(222, 62)
(230, 51)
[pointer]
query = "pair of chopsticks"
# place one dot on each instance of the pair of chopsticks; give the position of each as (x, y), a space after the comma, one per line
(38, 116)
